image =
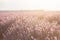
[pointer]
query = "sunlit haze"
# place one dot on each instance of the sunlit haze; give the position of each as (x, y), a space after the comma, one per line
(30, 5)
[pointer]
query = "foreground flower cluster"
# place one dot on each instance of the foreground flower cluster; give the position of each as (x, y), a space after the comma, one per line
(30, 27)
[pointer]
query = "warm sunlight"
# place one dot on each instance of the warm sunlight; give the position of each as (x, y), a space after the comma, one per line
(29, 4)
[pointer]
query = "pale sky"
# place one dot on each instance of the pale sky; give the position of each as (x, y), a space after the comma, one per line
(30, 5)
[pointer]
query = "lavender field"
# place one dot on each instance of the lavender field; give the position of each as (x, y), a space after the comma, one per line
(30, 25)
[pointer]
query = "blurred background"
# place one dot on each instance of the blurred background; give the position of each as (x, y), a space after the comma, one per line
(30, 5)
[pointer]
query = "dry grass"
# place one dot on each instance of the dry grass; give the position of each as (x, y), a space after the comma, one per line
(32, 27)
